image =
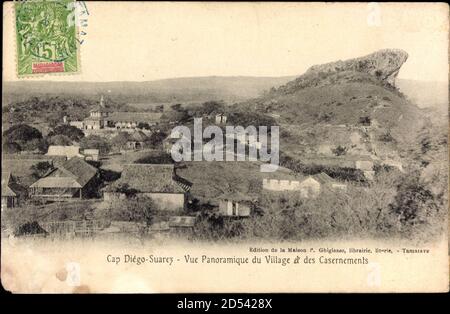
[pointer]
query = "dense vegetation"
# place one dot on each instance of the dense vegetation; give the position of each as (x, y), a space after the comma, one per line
(23, 137)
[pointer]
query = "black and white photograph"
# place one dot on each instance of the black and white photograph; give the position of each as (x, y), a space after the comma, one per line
(224, 147)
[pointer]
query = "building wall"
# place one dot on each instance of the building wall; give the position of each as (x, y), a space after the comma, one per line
(93, 125)
(93, 157)
(98, 114)
(77, 124)
(340, 186)
(8, 202)
(310, 188)
(281, 185)
(63, 193)
(230, 208)
(125, 125)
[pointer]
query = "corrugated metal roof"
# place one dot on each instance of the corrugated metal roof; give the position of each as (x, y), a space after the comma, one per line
(56, 182)
(68, 151)
(83, 171)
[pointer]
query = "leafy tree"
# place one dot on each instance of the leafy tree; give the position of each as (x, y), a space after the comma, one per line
(144, 126)
(156, 138)
(134, 209)
(125, 189)
(378, 73)
(211, 107)
(413, 201)
(59, 140)
(40, 169)
(11, 148)
(20, 133)
(70, 131)
(339, 150)
(364, 120)
(25, 137)
(39, 144)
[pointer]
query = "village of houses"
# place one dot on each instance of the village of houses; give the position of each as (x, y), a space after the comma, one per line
(75, 179)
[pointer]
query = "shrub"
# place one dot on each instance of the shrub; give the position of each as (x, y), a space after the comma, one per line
(364, 120)
(133, 209)
(339, 150)
(144, 126)
(24, 137)
(21, 133)
(60, 140)
(156, 139)
(40, 169)
(38, 144)
(156, 158)
(211, 226)
(386, 137)
(325, 117)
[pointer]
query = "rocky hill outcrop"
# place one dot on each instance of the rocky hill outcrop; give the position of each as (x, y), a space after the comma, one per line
(383, 64)
(349, 105)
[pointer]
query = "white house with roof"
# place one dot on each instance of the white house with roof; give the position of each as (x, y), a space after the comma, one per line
(64, 151)
(235, 205)
(310, 186)
(75, 178)
(91, 154)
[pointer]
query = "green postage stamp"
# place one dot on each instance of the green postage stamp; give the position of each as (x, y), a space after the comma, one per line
(46, 35)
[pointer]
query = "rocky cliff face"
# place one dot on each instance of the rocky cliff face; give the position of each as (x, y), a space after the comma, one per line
(383, 64)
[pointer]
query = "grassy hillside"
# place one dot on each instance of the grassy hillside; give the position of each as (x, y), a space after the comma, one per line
(319, 111)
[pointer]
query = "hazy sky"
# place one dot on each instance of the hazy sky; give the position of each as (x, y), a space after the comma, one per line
(138, 41)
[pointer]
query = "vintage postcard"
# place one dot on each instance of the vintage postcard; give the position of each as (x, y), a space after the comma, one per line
(224, 147)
